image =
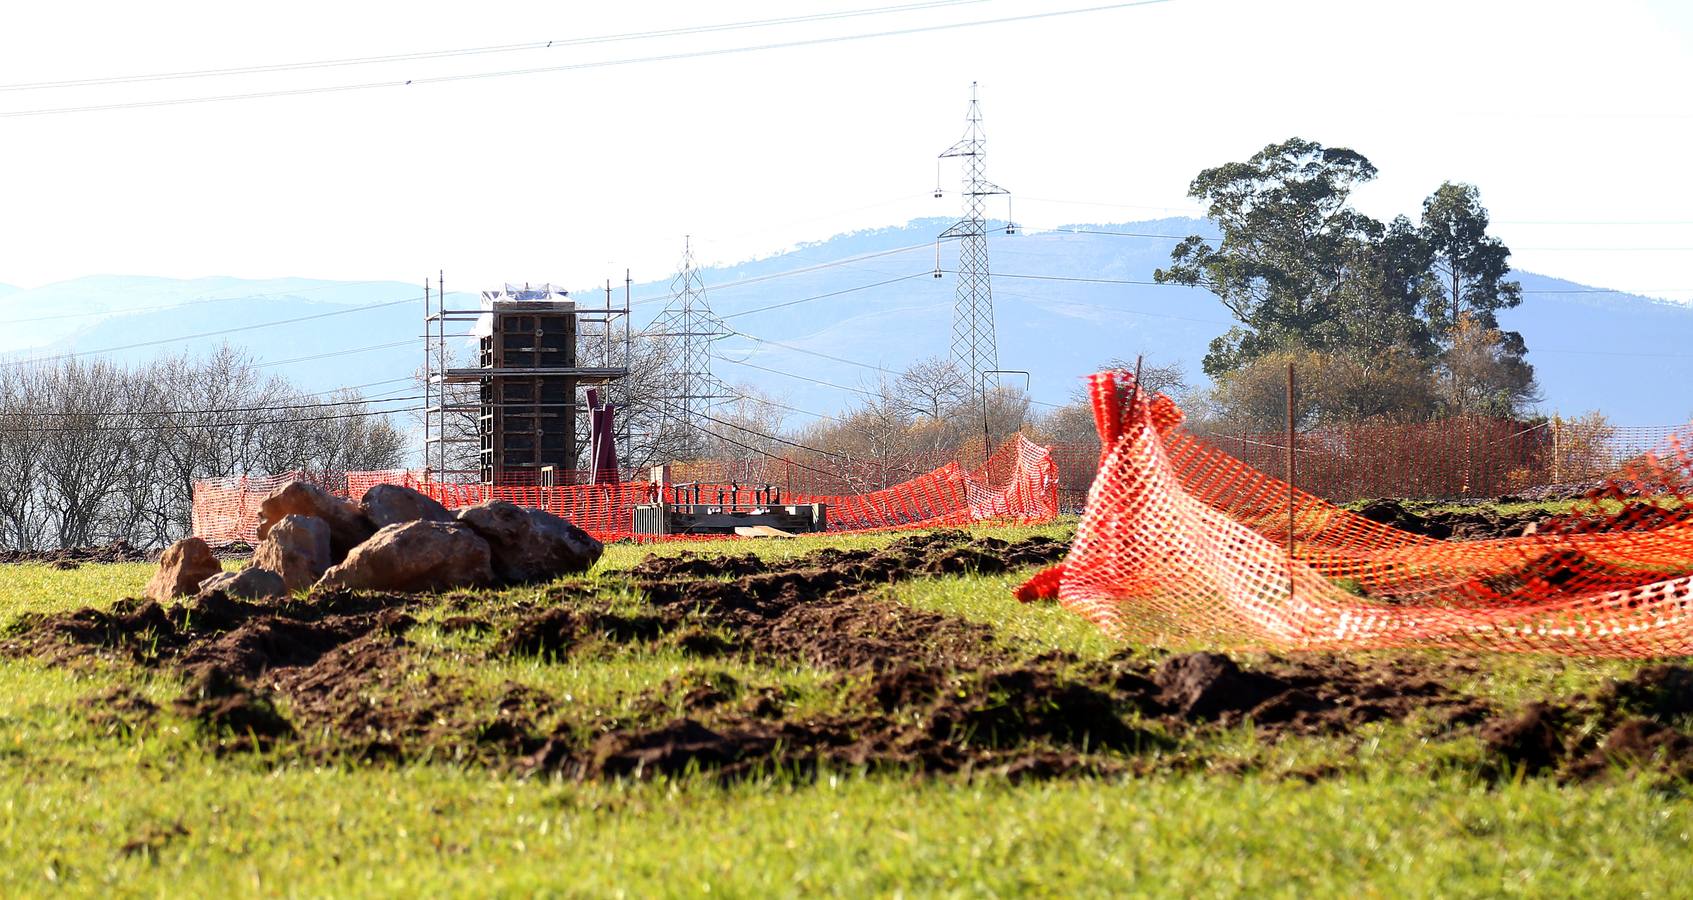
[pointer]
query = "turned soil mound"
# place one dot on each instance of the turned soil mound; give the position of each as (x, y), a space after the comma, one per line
(338, 676)
(1482, 522)
(1629, 724)
(71, 557)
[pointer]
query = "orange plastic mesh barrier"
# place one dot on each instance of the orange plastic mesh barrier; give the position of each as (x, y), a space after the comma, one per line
(1460, 458)
(1018, 483)
(227, 509)
(1181, 542)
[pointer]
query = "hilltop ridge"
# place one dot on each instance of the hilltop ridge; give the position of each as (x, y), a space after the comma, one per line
(1066, 300)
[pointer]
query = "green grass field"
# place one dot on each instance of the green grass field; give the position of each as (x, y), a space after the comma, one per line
(102, 804)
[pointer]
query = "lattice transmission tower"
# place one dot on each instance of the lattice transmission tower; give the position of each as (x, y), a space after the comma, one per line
(975, 345)
(687, 329)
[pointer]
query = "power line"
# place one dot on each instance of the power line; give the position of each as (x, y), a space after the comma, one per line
(798, 377)
(1637, 292)
(1133, 234)
(1115, 309)
(351, 351)
(728, 440)
(816, 353)
(185, 303)
(1175, 237)
(839, 359)
(179, 426)
(787, 303)
(755, 433)
(598, 64)
(354, 387)
(204, 334)
(1164, 209)
(1604, 249)
(1078, 280)
(790, 272)
(765, 401)
(162, 413)
(1600, 223)
(1533, 350)
(1187, 213)
(477, 51)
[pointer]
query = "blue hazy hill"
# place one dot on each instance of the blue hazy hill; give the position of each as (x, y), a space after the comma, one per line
(833, 311)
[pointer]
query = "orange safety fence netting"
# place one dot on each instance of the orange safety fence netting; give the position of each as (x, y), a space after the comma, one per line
(1465, 457)
(227, 509)
(1017, 483)
(1181, 542)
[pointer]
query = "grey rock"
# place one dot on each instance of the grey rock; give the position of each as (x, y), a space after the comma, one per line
(415, 557)
(251, 583)
(348, 526)
(530, 545)
(298, 548)
(182, 567)
(391, 504)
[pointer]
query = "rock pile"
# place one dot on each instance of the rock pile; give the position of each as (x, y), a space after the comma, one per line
(394, 539)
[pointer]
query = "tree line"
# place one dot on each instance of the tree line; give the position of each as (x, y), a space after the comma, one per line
(92, 451)
(1383, 321)
(1389, 320)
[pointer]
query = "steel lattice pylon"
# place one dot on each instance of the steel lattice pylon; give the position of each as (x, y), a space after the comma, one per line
(687, 326)
(975, 345)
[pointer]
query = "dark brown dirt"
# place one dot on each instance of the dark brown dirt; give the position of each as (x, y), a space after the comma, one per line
(335, 677)
(230, 712)
(1482, 522)
(1018, 722)
(1532, 739)
(816, 609)
(554, 632)
(1638, 743)
(1048, 717)
(932, 553)
(1632, 724)
(70, 557)
(1562, 573)
(1308, 694)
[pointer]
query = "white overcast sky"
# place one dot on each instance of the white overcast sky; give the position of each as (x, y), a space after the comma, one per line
(1561, 112)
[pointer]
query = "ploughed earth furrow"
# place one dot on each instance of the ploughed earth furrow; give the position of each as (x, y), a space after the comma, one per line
(335, 676)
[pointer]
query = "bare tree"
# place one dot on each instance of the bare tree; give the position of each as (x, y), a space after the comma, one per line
(95, 451)
(935, 387)
(1169, 379)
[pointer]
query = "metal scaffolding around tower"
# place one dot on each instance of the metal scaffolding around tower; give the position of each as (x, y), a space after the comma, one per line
(975, 345)
(686, 330)
(518, 406)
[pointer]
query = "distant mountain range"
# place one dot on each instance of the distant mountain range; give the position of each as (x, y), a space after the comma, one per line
(1066, 302)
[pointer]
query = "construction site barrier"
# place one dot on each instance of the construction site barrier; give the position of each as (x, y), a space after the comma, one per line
(1017, 483)
(226, 510)
(1182, 543)
(1465, 457)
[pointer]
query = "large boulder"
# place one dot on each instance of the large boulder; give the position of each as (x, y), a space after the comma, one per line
(414, 556)
(298, 548)
(530, 545)
(391, 504)
(251, 583)
(182, 567)
(348, 526)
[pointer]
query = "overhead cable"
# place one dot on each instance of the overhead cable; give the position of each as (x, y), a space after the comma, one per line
(595, 64)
